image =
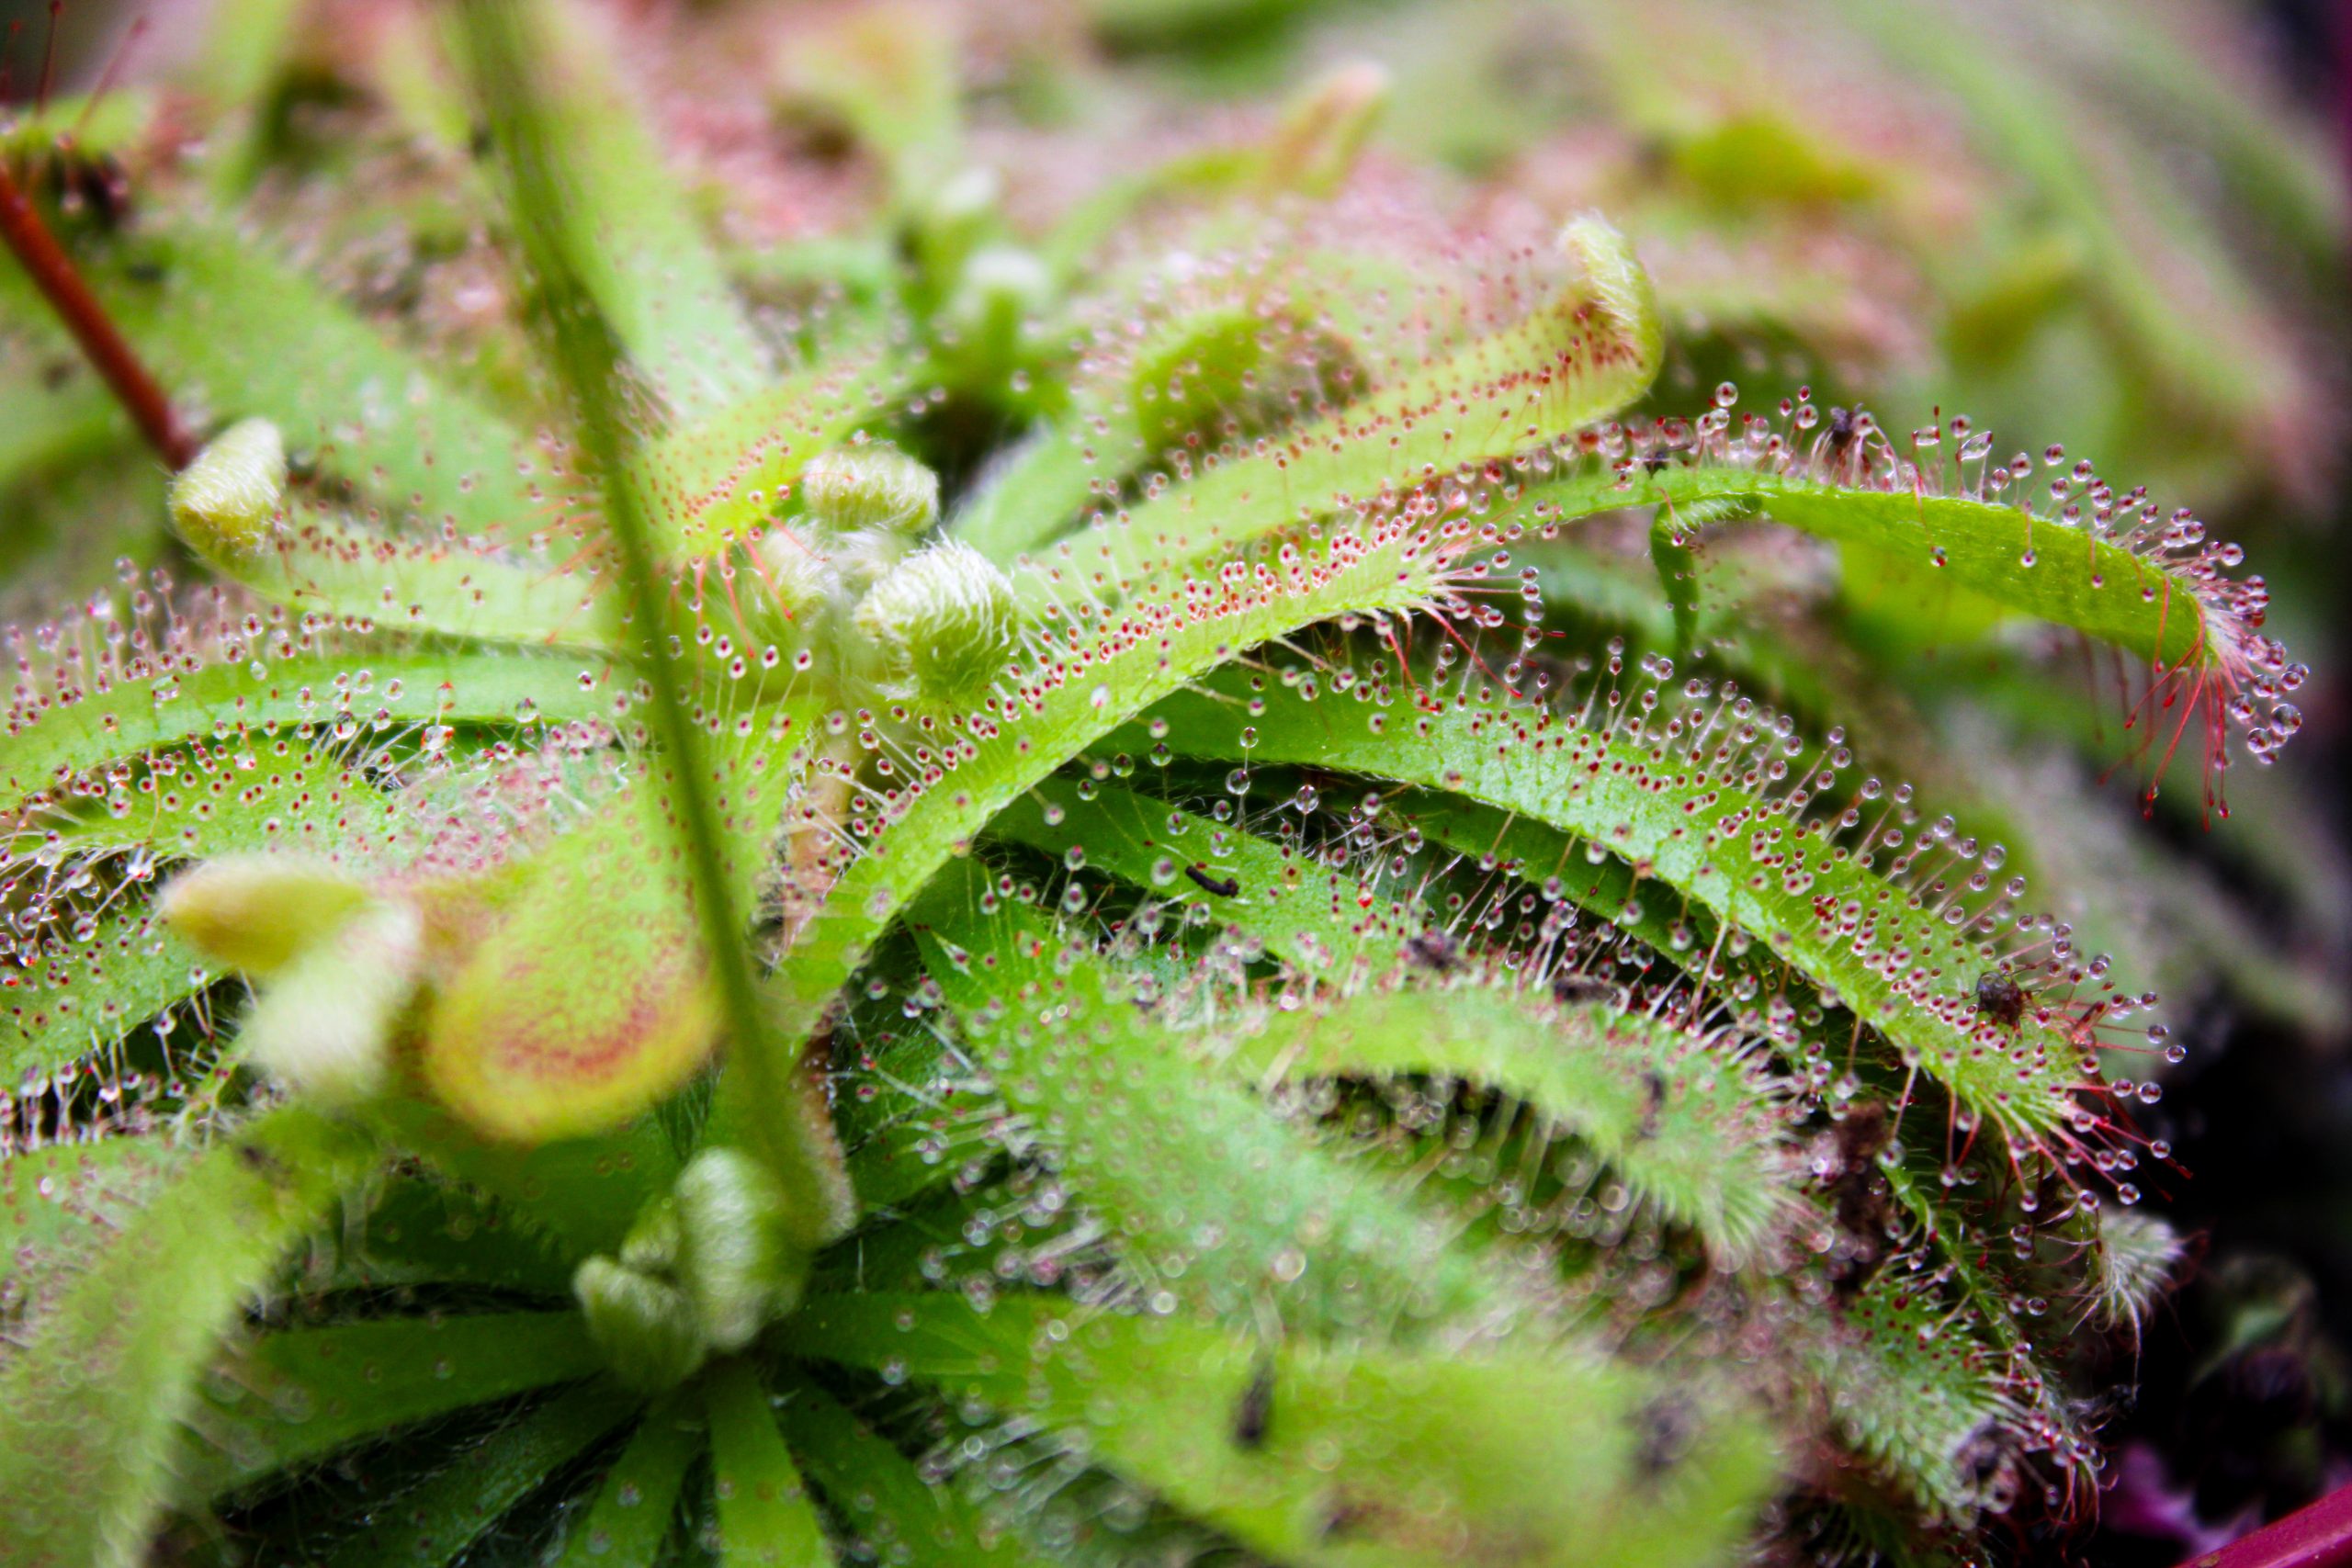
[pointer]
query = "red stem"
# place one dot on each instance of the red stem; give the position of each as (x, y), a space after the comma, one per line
(54, 273)
(2316, 1537)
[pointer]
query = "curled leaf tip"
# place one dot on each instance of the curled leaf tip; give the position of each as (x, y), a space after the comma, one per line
(645, 1327)
(1617, 283)
(1326, 127)
(224, 503)
(734, 1261)
(256, 913)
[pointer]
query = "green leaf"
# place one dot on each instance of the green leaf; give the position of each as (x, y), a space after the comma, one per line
(59, 1200)
(1683, 1115)
(1753, 980)
(1160, 639)
(1325, 924)
(765, 1516)
(642, 259)
(233, 333)
(1362, 1455)
(1911, 1388)
(1169, 1153)
(1227, 367)
(2119, 584)
(1698, 815)
(582, 341)
(420, 1232)
(890, 1510)
(104, 1375)
(320, 564)
(727, 477)
(630, 1521)
(325, 804)
(292, 1397)
(74, 999)
(323, 686)
(584, 1191)
(1576, 358)
(436, 1522)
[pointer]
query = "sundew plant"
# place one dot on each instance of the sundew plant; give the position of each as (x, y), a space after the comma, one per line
(778, 792)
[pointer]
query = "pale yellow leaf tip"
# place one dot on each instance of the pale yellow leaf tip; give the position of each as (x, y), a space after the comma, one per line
(226, 502)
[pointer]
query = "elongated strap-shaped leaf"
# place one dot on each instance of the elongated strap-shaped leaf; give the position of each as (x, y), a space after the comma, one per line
(1359, 1456)
(434, 1523)
(522, 1052)
(630, 1522)
(320, 565)
(1231, 365)
(1072, 693)
(1678, 1116)
(1689, 801)
(655, 277)
(921, 1130)
(98, 975)
(1324, 923)
(2112, 565)
(1576, 359)
(1911, 1388)
(74, 998)
(233, 332)
(338, 692)
(1685, 1119)
(189, 803)
(421, 1231)
(2018, 556)
(767, 1518)
(877, 1492)
(292, 1397)
(1170, 1154)
(1559, 867)
(104, 1375)
(1767, 1000)
(1032, 492)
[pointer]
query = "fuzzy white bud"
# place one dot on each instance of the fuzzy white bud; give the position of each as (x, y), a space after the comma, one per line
(944, 618)
(853, 487)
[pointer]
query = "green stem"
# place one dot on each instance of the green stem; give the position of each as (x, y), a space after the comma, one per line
(586, 359)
